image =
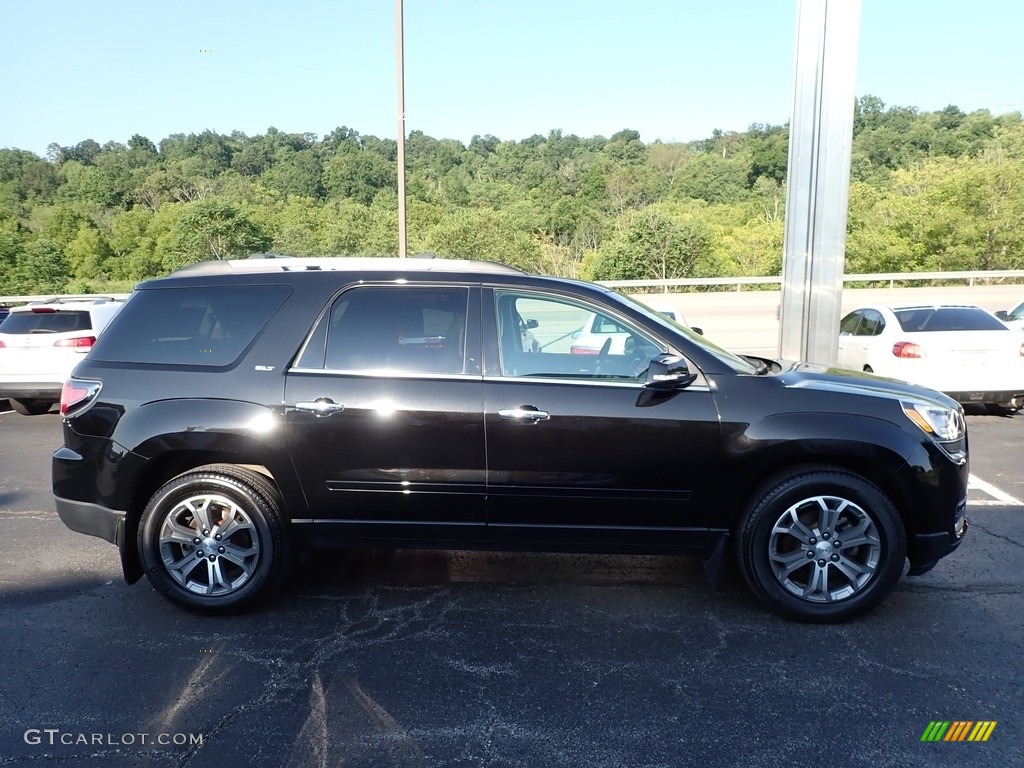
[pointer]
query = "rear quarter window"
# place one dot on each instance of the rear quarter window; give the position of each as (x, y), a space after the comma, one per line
(204, 325)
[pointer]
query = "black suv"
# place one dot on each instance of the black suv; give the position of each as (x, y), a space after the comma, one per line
(236, 411)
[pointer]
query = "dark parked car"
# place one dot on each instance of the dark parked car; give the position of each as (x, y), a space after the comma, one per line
(234, 412)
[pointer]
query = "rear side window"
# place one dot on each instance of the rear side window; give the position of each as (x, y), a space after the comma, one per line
(927, 319)
(415, 329)
(604, 324)
(872, 325)
(205, 325)
(46, 321)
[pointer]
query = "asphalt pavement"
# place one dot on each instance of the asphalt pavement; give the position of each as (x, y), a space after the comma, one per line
(475, 659)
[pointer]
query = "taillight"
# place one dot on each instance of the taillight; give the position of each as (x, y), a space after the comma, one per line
(77, 394)
(4, 345)
(82, 342)
(44, 310)
(907, 349)
(574, 350)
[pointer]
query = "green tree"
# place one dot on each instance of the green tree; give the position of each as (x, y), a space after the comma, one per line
(87, 255)
(484, 234)
(359, 175)
(133, 245)
(659, 242)
(210, 229)
(40, 269)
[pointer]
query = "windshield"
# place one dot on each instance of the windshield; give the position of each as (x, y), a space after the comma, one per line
(734, 362)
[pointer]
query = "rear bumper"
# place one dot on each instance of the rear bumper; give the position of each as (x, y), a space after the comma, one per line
(1011, 397)
(31, 390)
(91, 519)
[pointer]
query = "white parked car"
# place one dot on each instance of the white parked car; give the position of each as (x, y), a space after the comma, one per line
(42, 342)
(1013, 318)
(601, 329)
(961, 350)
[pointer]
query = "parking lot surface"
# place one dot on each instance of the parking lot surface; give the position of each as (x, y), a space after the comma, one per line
(480, 659)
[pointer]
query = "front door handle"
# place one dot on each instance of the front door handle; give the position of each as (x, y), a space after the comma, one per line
(322, 406)
(527, 414)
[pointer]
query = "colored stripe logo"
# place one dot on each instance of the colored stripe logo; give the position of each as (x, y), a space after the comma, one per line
(959, 730)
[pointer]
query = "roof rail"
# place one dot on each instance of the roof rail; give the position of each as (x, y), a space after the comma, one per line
(341, 263)
(84, 298)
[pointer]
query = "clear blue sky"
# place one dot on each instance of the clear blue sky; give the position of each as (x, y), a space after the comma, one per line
(670, 69)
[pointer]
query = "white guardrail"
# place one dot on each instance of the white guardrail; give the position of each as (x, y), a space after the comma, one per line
(983, 276)
(891, 278)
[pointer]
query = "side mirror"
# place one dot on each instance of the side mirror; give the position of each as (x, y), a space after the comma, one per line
(1002, 314)
(699, 331)
(668, 372)
(531, 323)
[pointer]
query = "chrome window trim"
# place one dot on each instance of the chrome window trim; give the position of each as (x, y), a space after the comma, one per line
(585, 382)
(385, 373)
(407, 375)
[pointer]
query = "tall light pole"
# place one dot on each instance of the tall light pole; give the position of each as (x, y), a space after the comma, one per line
(818, 179)
(400, 56)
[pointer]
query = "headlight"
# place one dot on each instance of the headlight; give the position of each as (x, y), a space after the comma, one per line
(942, 423)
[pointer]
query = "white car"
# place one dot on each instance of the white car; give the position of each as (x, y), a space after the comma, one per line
(42, 342)
(601, 329)
(1013, 318)
(961, 350)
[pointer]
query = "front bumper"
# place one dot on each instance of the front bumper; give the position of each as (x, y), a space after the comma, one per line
(929, 548)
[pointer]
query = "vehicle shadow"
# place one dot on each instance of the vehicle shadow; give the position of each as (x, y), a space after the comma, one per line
(8, 497)
(430, 568)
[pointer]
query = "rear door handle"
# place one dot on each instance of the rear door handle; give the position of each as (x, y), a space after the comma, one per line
(525, 413)
(322, 406)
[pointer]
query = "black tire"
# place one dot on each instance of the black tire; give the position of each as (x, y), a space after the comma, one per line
(809, 512)
(244, 566)
(31, 407)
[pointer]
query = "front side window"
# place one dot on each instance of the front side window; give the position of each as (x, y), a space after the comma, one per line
(555, 337)
(849, 323)
(413, 329)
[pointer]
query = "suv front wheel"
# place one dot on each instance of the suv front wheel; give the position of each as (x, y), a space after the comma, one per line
(821, 545)
(213, 539)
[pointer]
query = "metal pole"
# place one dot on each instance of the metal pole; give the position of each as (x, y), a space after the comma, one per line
(400, 56)
(818, 181)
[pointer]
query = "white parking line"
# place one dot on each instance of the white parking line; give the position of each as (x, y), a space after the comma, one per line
(999, 498)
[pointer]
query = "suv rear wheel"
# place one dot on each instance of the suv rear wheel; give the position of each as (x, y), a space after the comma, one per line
(213, 539)
(821, 546)
(31, 407)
